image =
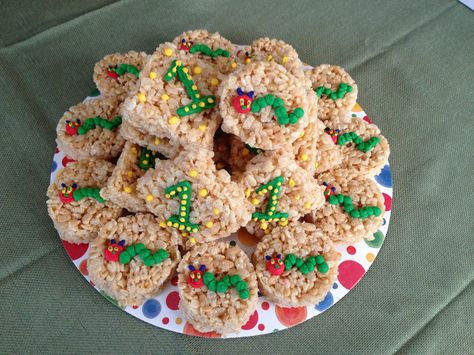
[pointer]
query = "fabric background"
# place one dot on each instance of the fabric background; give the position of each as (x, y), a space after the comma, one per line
(414, 63)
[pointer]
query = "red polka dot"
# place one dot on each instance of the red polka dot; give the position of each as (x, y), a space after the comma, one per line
(189, 329)
(172, 301)
(66, 160)
(252, 322)
(351, 250)
(165, 320)
(261, 327)
(83, 268)
(174, 281)
(350, 272)
(75, 251)
(56, 151)
(290, 316)
(367, 119)
(92, 283)
(265, 306)
(387, 202)
(135, 307)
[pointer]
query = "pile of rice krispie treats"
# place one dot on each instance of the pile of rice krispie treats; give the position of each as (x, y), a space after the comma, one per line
(189, 144)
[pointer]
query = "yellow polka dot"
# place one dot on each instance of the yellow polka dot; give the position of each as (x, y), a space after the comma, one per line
(127, 189)
(173, 120)
(203, 192)
(307, 205)
(178, 320)
(214, 81)
(255, 201)
(247, 192)
(184, 234)
(169, 224)
(157, 141)
(233, 65)
(197, 70)
(162, 224)
(357, 108)
(129, 173)
(202, 127)
(370, 257)
(145, 162)
(304, 157)
(141, 97)
(169, 52)
(165, 97)
(292, 183)
(152, 75)
(193, 173)
(149, 198)
(209, 224)
(284, 59)
(216, 211)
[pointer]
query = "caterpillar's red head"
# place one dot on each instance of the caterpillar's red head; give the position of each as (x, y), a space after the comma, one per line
(72, 126)
(66, 195)
(243, 101)
(329, 190)
(195, 276)
(275, 264)
(185, 45)
(334, 133)
(113, 250)
(111, 72)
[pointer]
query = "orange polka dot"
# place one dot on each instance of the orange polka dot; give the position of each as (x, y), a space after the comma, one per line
(357, 108)
(291, 316)
(246, 238)
(178, 320)
(370, 257)
(189, 329)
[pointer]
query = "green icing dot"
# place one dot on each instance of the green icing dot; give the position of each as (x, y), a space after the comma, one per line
(377, 241)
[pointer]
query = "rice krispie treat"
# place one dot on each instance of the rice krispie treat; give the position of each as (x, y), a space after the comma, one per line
(280, 190)
(272, 50)
(264, 105)
(117, 74)
(90, 129)
(296, 265)
(133, 258)
(176, 98)
(336, 90)
(364, 151)
(162, 145)
(191, 195)
(217, 287)
(74, 201)
(353, 210)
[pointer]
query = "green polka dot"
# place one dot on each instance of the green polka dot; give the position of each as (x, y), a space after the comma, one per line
(378, 240)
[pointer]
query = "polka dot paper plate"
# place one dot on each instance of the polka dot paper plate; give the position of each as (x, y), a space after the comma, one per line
(163, 311)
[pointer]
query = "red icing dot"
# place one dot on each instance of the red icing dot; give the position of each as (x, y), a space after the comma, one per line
(189, 329)
(174, 281)
(261, 327)
(350, 272)
(367, 119)
(165, 320)
(172, 300)
(351, 250)
(265, 306)
(75, 251)
(290, 316)
(252, 322)
(66, 160)
(387, 202)
(83, 268)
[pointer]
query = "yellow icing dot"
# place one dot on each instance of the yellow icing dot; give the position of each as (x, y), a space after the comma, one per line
(190, 77)
(202, 104)
(245, 152)
(141, 97)
(134, 150)
(209, 224)
(178, 62)
(247, 192)
(149, 198)
(255, 201)
(194, 87)
(233, 65)
(370, 257)
(264, 225)
(203, 192)
(145, 162)
(210, 100)
(269, 57)
(197, 70)
(184, 234)
(169, 224)
(216, 211)
(129, 173)
(185, 70)
(165, 97)
(162, 224)
(193, 106)
(214, 81)
(193, 173)
(186, 109)
(181, 227)
(284, 59)
(157, 141)
(169, 52)
(192, 240)
(283, 223)
(292, 182)
(304, 157)
(127, 189)
(202, 127)
(307, 205)
(173, 120)
(152, 75)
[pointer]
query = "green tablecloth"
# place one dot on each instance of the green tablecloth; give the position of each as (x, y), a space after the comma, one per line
(414, 63)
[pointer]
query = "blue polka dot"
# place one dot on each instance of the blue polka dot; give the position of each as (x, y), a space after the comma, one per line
(385, 177)
(151, 308)
(384, 221)
(325, 303)
(335, 285)
(54, 166)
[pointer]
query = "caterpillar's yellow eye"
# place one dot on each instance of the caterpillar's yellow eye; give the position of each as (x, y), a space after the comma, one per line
(110, 248)
(115, 249)
(248, 103)
(241, 102)
(198, 276)
(69, 189)
(280, 262)
(63, 190)
(192, 275)
(272, 261)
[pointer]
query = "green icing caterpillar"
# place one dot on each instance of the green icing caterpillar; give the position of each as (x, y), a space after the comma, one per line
(360, 144)
(93, 122)
(346, 202)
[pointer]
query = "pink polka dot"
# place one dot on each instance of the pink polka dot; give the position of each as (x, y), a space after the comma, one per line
(351, 250)
(172, 300)
(367, 119)
(350, 272)
(265, 306)
(261, 327)
(83, 268)
(174, 281)
(251, 322)
(165, 320)
(387, 202)
(75, 251)
(66, 160)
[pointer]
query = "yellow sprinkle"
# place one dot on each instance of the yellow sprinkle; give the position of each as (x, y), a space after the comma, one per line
(169, 52)
(283, 223)
(203, 192)
(255, 201)
(141, 97)
(233, 65)
(304, 157)
(269, 57)
(316, 165)
(245, 152)
(264, 225)
(302, 134)
(183, 214)
(307, 205)
(184, 234)
(214, 81)
(185, 196)
(149, 197)
(193, 173)
(157, 141)
(173, 120)
(162, 224)
(210, 100)
(197, 70)
(278, 183)
(185, 70)
(292, 182)
(202, 127)
(284, 59)
(192, 240)
(165, 97)
(129, 173)
(127, 189)
(216, 211)
(178, 62)
(247, 192)
(152, 75)
(297, 197)
(209, 224)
